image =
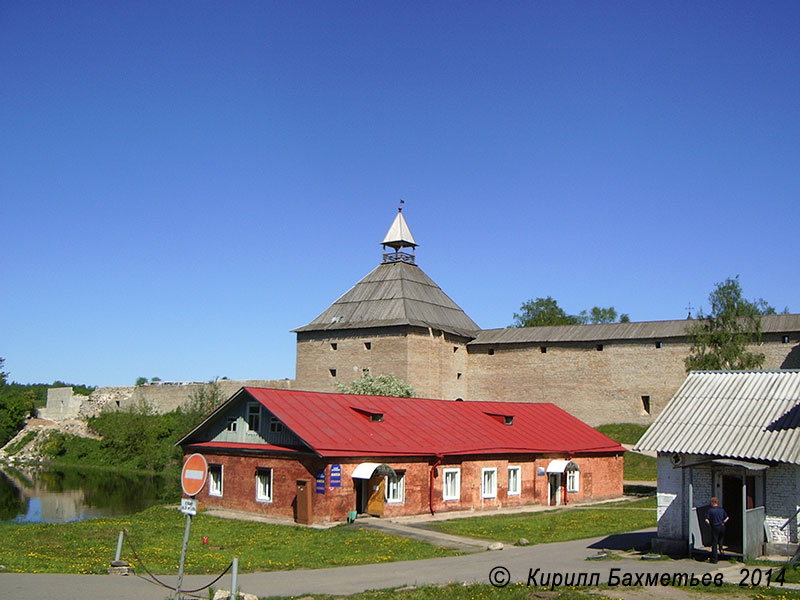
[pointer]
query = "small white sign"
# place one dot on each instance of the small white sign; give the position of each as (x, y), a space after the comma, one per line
(189, 506)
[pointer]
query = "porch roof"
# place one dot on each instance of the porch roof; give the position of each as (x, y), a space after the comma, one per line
(749, 415)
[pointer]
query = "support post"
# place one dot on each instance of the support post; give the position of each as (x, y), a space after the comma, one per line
(119, 548)
(235, 580)
(183, 556)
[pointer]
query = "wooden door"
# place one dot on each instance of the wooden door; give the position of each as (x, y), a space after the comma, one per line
(376, 499)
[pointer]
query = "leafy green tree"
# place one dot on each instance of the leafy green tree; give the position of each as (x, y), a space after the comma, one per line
(543, 311)
(15, 405)
(720, 340)
(546, 311)
(382, 385)
(3, 375)
(205, 399)
(141, 380)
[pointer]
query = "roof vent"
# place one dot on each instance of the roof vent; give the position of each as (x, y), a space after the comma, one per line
(373, 415)
(504, 419)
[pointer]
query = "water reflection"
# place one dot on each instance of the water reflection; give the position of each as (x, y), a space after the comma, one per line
(60, 495)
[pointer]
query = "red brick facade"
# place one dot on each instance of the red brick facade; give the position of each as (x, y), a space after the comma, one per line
(600, 477)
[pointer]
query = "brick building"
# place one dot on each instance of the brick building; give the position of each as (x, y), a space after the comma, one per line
(734, 435)
(397, 320)
(315, 456)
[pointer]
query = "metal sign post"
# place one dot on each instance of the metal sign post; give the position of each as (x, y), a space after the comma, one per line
(193, 478)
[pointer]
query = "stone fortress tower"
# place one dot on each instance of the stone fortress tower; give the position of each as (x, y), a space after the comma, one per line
(396, 320)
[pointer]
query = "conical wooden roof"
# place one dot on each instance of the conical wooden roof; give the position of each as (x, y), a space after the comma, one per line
(395, 294)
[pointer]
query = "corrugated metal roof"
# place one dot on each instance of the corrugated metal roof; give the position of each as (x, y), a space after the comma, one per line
(336, 425)
(642, 330)
(735, 414)
(394, 294)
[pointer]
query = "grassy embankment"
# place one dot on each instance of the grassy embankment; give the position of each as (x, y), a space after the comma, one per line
(638, 467)
(157, 534)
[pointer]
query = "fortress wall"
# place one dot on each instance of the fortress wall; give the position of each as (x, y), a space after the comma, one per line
(434, 365)
(164, 397)
(598, 387)
(387, 354)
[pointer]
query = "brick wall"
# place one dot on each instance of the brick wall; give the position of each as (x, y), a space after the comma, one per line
(612, 385)
(601, 477)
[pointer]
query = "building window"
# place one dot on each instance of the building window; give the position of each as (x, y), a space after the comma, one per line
(508, 419)
(275, 426)
(253, 417)
(599, 347)
(367, 345)
(514, 481)
(458, 375)
(659, 345)
(491, 351)
(543, 349)
(215, 480)
(334, 345)
(646, 404)
(333, 372)
(489, 483)
(264, 485)
(785, 339)
(455, 348)
(451, 487)
(573, 481)
(396, 487)
(231, 426)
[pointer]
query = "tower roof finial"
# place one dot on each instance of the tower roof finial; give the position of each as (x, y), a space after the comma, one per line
(399, 237)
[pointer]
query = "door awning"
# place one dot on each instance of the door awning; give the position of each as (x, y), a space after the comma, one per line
(367, 470)
(742, 464)
(561, 465)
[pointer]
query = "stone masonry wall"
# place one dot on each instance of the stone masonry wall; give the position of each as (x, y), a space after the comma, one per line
(324, 358)
(163, 397)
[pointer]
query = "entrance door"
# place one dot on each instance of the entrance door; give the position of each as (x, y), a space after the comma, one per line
(376, 499)
(732, 503)
(554, 491)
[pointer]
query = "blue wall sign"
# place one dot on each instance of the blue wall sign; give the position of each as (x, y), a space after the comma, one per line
(321, 481)
(336, 475)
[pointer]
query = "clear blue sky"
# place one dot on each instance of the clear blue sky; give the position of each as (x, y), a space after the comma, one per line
(182, 183)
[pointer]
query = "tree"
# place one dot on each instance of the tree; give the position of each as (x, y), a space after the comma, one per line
(205, 399)
(546, 311)
(383, 385)
(3, 375)
(141, 381)
(543, 311)
(720, 340)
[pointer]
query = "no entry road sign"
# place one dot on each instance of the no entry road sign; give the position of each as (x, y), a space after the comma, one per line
(194, 474)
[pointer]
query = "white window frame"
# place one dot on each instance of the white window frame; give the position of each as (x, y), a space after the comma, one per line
(232, 424)
(262, 472)
(250, 406)
(215, 486)
(395, 488)
(490, 490)
(573, 481)
(516, 491)
(456, 474)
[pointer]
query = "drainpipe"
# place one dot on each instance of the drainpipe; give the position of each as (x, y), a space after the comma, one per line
(430, 488)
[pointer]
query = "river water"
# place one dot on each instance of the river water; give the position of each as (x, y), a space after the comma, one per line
(61, 495)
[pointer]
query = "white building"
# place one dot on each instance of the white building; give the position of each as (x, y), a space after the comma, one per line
(734, 435)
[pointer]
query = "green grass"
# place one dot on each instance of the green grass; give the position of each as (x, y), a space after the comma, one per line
(638, 467)
(518, 591)
(624, 433)
(456, 591)
(20, 443)
(555, 525)
(157, 534)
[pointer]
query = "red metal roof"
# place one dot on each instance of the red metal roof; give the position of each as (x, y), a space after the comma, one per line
(340, 425)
